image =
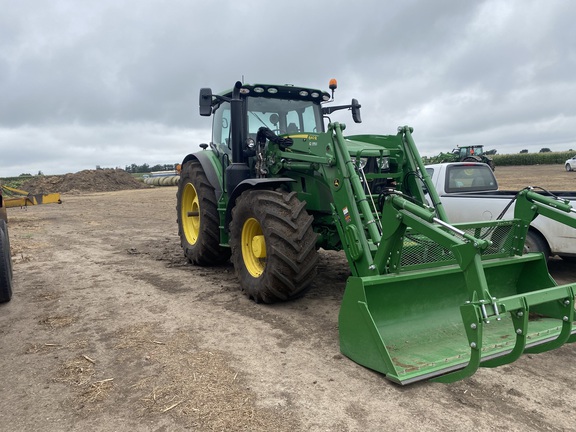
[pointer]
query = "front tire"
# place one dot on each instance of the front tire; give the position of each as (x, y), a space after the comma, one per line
(536, 243)
(273, 245)
(568, 167)
(198, 219)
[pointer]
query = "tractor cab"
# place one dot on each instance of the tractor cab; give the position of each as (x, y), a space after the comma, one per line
(468, 151)
(283, 109)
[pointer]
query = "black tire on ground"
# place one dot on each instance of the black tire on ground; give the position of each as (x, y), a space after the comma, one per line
(273, 245)
(5, 266)
(4, 227)
(536, 243)
(568, 167)
(470, 159)
(197, 217)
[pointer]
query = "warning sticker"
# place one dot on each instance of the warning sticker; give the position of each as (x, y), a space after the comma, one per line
(346, 215)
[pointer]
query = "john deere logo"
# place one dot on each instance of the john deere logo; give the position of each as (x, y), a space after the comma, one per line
(336, 183)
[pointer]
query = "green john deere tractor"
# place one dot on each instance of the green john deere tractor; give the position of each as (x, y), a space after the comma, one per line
(465, 154)
(426, 299)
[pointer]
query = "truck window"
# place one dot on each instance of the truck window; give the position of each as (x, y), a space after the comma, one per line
(470, 178)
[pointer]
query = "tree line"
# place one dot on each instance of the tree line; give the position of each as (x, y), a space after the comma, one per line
(145, 168)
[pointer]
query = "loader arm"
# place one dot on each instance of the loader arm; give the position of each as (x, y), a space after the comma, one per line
(355, 212)
(530, 204)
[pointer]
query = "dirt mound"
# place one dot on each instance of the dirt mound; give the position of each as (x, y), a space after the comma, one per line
(102, 180)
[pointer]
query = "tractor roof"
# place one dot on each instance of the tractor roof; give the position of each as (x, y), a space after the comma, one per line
(285, 91)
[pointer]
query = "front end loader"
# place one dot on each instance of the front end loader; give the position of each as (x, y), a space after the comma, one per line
(426, 299)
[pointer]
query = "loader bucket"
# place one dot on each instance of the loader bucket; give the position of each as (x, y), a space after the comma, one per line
(422, 324)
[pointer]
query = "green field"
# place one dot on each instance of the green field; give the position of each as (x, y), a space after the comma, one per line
(549, 158)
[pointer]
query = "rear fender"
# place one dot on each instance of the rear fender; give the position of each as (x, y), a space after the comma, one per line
(254, 183)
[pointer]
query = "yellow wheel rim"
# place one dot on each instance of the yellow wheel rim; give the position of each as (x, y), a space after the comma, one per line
(190, 214)
(253, 247)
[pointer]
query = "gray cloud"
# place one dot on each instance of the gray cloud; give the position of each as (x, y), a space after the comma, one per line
(114, 83)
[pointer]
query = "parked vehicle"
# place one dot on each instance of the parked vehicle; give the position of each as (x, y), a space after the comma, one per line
(10, 197)
(570, 164)
(469, 192)
(5, 255)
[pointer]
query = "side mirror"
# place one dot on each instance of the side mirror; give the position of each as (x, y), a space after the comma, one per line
(356, 111)
(205, 102)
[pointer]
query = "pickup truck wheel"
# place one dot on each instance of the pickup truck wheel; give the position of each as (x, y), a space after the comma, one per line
(197, 216)
(273, 245)
(568, 167)
(535, 243)
(5, 266)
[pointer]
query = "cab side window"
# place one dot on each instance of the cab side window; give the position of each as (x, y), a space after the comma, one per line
(221, 128)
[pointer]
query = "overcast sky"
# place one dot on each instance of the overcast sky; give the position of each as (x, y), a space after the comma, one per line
(111, 83)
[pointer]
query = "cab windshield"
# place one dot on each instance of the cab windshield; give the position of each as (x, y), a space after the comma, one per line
(284, 116)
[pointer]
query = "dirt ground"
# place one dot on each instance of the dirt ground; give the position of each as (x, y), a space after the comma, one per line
(110, 329)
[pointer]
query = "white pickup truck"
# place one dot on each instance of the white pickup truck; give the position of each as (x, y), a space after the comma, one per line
(469, 193)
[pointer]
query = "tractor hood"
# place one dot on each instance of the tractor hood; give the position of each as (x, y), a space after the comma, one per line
(358, 148)
(373, 145)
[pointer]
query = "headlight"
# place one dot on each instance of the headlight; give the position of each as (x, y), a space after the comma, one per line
(384, 163)
(361, 163)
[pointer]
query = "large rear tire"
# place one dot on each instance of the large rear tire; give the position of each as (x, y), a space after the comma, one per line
(198, 219)
(5, 264)
(4, 227)
(471, 159)
(273, 245)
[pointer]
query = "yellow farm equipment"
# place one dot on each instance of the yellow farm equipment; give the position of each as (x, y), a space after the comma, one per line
(19, 198)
